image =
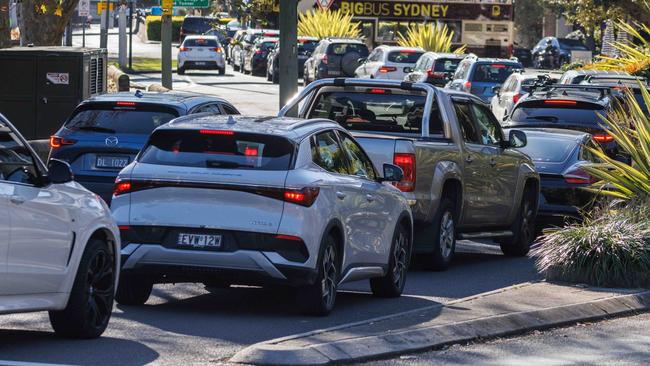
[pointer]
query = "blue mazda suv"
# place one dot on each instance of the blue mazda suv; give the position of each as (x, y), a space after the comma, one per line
(105, 133)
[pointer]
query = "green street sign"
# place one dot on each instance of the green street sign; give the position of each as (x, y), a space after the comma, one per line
(192, 3)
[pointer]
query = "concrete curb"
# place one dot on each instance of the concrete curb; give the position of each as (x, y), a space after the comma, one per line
(395, 342)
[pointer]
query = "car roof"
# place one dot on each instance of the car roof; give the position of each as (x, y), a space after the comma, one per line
(597, 72)
(308, 38)
(267, 39)
(292, 128)
(343, 40)
(446, 55)
(175, 99)
(201, 36)
(399, 48)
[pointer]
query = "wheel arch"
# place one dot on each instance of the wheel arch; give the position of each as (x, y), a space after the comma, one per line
(335, 228)
(447, 179)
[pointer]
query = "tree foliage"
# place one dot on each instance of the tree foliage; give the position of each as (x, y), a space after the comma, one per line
(43, 22)
(327, 23)
(590, 14)
(430, 37)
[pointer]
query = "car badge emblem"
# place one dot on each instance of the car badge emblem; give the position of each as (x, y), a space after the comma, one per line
(112, 141)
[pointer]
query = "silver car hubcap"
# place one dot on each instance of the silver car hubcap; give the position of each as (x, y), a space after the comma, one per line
(446, 234)
(399, 258)
(329, 276)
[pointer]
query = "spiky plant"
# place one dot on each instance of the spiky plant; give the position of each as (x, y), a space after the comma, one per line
(629, 125)
(326, 23)
(430, 37)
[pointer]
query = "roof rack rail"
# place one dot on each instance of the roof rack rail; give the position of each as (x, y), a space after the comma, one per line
(550, 88)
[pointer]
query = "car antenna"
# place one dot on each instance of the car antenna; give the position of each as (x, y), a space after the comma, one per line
(231, 120)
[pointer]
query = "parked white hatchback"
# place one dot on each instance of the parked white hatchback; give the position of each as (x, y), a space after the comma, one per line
(58, 242)
(244, 200)
(389, 62)
(201, 53)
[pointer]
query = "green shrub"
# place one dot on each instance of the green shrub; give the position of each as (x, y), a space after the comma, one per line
(153, 28)
(611, 249)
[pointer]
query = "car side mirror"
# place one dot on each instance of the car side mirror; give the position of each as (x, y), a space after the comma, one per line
(362, 60)
(496, 90)
(392, 173)
(58, 171)
(408, 70)
(517, 139)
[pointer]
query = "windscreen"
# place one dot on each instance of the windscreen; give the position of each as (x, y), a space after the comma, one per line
(493, 73)
(201, 42)
(548, 149)
(120, 120)
(404, 56)
(218, 149)
(375, 110)
(580, 113)
(446, 65)
(341, 49)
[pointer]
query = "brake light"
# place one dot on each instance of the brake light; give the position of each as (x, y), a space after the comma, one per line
(216, 132)
(435, 75)
(387, 69)
(258, 52)
(217, 49)
(121, 187)
(56, 142)
(603, 137)
(498, 66)
(377, 91)
(304, 197)
(407, 163)
(515, 98)
(561, 102)
(183, 49)
(250, 151)
(578, 176)
(468, 86)
(288, 237)
(124, 227)
(125, 104)
(408, 51)
(323, 59)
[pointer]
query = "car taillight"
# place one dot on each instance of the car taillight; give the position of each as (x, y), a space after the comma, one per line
(323, 59)
(560, 102)
(217, 49)
(387, 69)
(217, 132)
(304, 197)
(258, 52)
(435, 75)
(468, 86)
(515, 98)
(56, 142)
(407, 163)
(183, 49)
(578, 176)
(122, 187)
(603, 138)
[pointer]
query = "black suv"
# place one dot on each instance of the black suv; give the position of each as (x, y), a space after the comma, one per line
(573, 107)
(306, 45)
(255, 57)
(334, 57)
(196, 25)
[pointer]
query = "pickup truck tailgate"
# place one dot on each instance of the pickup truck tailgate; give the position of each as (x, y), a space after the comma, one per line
(382, 149)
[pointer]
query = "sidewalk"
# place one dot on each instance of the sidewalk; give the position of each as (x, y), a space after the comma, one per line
(507, 311)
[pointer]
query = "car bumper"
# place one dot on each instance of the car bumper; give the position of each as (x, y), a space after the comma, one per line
(203, 64)
(241, 267)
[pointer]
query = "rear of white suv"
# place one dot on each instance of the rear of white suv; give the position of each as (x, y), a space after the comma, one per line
(389, 62)
(201, 53)
(241, 201)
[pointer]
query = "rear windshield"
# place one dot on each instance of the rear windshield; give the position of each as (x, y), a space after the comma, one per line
(218, 149)
(343, 48)
(267, 46)
(446, 65)
(538, 112)
(493, 73)
(307, 46)
(404, 57)
(375, 110)
(200, 24)
(571, 44)
(548, 149)
(201, 42)
(120, 120)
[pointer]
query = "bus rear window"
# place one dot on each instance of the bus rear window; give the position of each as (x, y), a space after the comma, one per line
(220, 149)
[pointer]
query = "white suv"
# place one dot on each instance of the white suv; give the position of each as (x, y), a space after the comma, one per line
(58, 242)
(243, 200)
(389, 62)
(201, 53)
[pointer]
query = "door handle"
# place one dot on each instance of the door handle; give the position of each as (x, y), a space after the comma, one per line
(370, 197)
(340, 195)
(17, 200)
(469, 159)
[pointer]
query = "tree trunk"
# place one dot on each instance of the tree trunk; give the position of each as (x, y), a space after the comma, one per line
(5, 29)
(44, 29)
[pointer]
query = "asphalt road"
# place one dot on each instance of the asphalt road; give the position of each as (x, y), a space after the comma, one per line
(616, 342)
(185, 324)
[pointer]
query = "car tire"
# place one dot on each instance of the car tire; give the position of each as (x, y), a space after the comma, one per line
(180, 71)
(90, 303)
(444, 236)
(523, 229)
(392, 284)
(222, 71)
(133, 290)
(319, 298)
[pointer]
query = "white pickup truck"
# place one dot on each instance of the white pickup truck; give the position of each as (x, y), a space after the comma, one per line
(464, 179)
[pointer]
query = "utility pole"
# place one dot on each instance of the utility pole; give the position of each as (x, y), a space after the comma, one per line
(288, 70)
(122, 37)
(103, 33)
(166, 46)
(131, 9)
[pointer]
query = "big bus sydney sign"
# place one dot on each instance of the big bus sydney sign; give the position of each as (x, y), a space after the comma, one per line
(485, 26)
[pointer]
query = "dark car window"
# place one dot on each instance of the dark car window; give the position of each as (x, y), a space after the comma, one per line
(404, 56)
(229, 110)
(446, 65)
(488, 128)
(374, 110)
(327, 153)
(201, 42)
(306, 46)
(527, 85)
(548, 149)
(493, 73)
(16, 162)
(580, 113)
(267, 46)
(343, 48)
(218, 149)
(118, 120)
(360, 164)
(467, 127)
(571, 44)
